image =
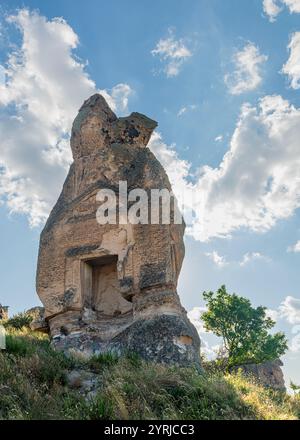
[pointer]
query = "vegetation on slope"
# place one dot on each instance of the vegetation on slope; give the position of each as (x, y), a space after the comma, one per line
(33, 386)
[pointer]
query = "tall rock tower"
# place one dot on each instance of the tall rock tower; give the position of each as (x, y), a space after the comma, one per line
(112, 287)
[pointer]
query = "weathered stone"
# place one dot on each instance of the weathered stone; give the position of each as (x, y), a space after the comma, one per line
(3, 312)
(268, 373)
(38, 322)
(113, 287)
(85, 382)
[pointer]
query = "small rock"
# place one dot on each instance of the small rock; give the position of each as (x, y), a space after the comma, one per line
(84, 381)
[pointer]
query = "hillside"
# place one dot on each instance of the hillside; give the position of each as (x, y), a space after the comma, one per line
(38, 383)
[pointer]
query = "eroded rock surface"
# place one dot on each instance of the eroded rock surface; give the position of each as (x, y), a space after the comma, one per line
(268, 374)
(113, 287)
(38, 322)
(3, 312)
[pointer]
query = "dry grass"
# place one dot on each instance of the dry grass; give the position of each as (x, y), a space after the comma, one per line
(33, 386)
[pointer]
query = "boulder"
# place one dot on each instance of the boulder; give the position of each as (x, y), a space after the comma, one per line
(38, 322)
(85, 382)
(268, 373)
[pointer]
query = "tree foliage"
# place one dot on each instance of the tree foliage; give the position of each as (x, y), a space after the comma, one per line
(295, 387)
(243, 328)
(18, 321)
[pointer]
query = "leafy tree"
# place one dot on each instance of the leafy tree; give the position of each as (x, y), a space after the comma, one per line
(244, 329)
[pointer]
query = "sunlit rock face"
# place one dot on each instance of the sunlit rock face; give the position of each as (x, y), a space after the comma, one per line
(112, 287)
(268, 373)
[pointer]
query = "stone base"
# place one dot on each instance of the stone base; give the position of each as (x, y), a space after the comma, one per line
(167, 339)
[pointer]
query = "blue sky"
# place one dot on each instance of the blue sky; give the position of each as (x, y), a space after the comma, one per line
(218, 76)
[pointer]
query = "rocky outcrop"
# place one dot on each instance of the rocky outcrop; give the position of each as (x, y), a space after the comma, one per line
(268, 373)
(85, 382)
(3, 313)
(112, 287)
(38, 322)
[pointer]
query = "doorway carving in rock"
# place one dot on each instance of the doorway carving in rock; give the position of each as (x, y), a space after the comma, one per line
(101, 287)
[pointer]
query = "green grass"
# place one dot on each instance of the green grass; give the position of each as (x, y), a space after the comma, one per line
(98, 362)
(33, 386)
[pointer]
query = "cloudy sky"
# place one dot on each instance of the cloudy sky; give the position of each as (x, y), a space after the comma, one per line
(221, 77)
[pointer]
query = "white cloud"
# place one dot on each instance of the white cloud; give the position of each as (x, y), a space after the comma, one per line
(258, 181)
(292, 67)
(295, 344)
(118, 97)
(182, 111)
(185, 109)
(296, 329)
(256, 184)
(2, 76)
(295, 248)
(290, 310)
(273, 7)
(273, 314)
(293, 5)
(219, 138)
(194, 315)
(252, 256)
(209, 351)
(172, 53)
(45, 86)
(219, 260)
(247, 70)
(177, 169)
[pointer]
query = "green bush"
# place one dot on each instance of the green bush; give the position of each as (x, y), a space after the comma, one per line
(19, 321)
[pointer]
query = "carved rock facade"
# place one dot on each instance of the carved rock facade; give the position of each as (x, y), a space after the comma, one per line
(113, 287)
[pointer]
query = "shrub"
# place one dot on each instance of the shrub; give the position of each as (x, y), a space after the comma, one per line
(19, 321)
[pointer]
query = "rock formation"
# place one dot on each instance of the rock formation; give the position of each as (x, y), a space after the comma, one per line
(112, 287)
(3, 312)
(268, 373)
(38, 323)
